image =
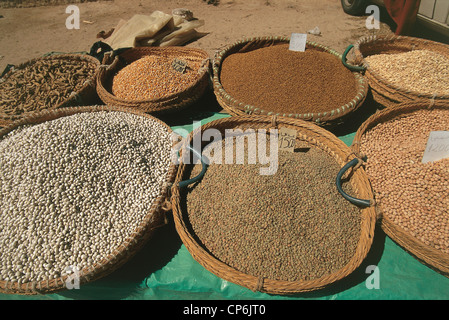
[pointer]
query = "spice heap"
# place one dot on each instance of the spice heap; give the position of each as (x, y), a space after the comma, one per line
(153, 77)
(43, 84)
(73, 189)
(414, 195)
(292, 226)
(423, 71)
(283, 81)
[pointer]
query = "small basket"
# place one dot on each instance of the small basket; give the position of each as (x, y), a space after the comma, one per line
(428, 255)
(154, 219)
(307, 132)
(85, 96)
(236, 107)
(166, 104)
(384, 92)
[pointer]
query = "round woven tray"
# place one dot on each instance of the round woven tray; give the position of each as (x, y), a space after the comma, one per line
(169, 103)
(384, 92)
(154, 218)
(426, 254)
(236, 107)
(87, 95)
(313, 135)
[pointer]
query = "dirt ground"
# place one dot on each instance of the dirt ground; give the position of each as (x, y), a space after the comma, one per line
(28, 33)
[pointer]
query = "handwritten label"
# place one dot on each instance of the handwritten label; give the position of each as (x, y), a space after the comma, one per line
(179, 65)
(287, 139)
(298, 42)
(437, 147)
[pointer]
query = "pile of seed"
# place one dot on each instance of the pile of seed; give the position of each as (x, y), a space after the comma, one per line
(153, 77)
(292, 226)
(423, 71)
(73, 189)
(412, 194)
(43, 84)
(283, 81)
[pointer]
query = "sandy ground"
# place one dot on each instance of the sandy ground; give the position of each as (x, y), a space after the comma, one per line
(28, 33)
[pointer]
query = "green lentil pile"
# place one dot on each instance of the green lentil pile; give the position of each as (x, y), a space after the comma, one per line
(290, 226)
(277, 79)
(73, 189)
(153, 77)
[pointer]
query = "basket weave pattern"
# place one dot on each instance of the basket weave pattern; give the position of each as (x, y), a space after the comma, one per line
(306, 132)
(236, 107)
(164, 104)
(384, 92)
(428, 255)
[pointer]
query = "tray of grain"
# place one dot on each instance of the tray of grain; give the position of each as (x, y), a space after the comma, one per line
(82, 189)
(402, 69)
(262, 76)
(154, 79)
(280, 229)
(411, 194)
(46, 83)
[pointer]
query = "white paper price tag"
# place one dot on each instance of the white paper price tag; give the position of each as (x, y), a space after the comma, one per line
(287, 139)
(298, 42)
(437, 147)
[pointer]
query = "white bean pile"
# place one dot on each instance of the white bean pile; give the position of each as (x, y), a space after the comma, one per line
(73, 189)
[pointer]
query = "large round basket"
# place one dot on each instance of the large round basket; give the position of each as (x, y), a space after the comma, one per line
(307, 133)
(416, 246)
(235, 107)
(53, 70)
(113, 63)
(154, 218)
(383, 90)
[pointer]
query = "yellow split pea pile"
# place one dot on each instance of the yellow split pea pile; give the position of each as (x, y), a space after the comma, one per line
(414, 195)
(153, 77)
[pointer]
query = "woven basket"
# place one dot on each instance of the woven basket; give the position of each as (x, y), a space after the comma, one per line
(236, 107)
(154, 219)
(384, 92)
(169, 103)
(85, 96)
(426, 254)
(310, 133)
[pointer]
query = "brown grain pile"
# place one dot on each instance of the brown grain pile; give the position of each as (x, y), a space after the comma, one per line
(283, 81)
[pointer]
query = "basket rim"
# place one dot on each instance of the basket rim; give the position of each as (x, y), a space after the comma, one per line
(389, 39)
(6, 118)
(107, 70)
(240, 108)
(425, 253)
(269, 285)
(123, 252)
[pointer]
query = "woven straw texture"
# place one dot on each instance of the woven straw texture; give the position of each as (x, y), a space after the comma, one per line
(383, 91)
(85, 96)
(154, 219)
(236, 107)
(428, 255)
(314, 135)
(165, 104)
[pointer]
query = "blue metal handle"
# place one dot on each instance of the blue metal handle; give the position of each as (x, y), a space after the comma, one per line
(357, 202)
(349, 66)
(185, 183)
